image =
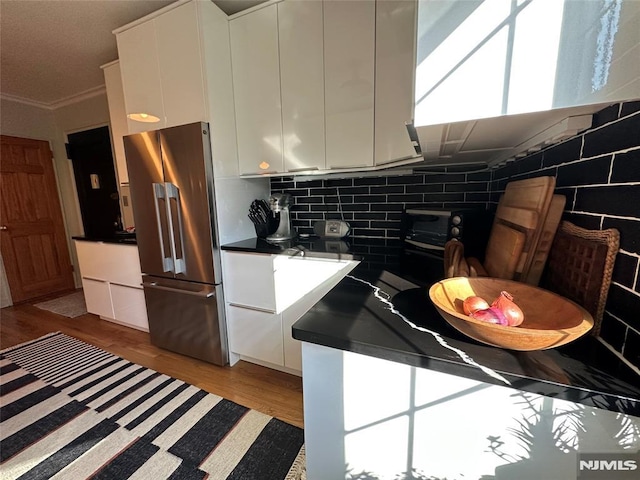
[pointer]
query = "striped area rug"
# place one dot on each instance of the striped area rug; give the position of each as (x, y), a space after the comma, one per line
(69, 410)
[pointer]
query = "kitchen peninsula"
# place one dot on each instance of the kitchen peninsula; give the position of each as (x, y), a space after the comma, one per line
(390, 388)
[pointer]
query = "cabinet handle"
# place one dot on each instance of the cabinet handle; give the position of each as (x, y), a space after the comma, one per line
(301, 169)
(251, 307)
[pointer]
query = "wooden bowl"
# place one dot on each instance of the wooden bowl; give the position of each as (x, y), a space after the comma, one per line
(549, 319)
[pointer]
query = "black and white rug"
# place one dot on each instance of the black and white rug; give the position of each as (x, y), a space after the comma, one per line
(70, 410)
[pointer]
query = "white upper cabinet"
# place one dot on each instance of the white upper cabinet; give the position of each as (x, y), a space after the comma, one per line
(181, 66)
(302, 84)
(256, 82)
(395, 59)
(161, 67)
(117, 117)
(349, 48)
(138, 54)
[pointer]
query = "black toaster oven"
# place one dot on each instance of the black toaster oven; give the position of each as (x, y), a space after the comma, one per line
(427, 230)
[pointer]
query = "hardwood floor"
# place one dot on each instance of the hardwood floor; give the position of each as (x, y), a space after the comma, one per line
(275, 393)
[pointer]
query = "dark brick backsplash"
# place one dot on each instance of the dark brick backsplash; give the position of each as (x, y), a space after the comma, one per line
(625, 305)
(620, 200)
(618, 135)
(626, 167)
(599, 168)
(606, 115)
(629, 233)
(589, 172)
(565, 152)
(631, 349)
(625, 269)
(629, 107)
(613, 331)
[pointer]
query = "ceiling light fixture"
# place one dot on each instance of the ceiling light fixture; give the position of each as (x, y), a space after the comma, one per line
(143, 117)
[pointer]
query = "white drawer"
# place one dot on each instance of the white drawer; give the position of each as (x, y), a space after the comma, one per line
(129, 307)
(97, 296)
(113, 262)
(249, 280)
(255, 334)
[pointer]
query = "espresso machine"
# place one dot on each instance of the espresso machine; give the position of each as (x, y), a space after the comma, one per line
(279, 203)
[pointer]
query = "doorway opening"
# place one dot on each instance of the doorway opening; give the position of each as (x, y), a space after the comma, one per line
(94, 172)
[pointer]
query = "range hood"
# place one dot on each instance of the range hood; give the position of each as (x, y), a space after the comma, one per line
(494, 141)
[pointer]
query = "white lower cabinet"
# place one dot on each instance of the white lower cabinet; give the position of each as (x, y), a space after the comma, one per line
(265, 295)
(112, 282)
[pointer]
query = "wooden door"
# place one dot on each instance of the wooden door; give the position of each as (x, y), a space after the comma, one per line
(34, 249)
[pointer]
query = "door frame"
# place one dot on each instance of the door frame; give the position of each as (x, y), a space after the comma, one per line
(72, 175)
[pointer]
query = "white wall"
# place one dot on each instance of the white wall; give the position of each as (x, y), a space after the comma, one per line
(22, 120)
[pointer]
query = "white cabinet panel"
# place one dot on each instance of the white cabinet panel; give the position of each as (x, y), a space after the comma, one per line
(256, 82)
(109, 261)
(255, 334)
(302, 84)
(117, 117)
(180, 66)
(395, 40)
(349, 44)
(129, 306)
(249, 280)
(97, 297)
(138, 53)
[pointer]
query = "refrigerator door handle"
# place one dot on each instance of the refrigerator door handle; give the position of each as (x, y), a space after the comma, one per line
(159, 194)
(205, 293)
(175, 238)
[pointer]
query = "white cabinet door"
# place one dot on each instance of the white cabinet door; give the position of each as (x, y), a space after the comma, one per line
(302, 84)
(129, 307)
(180, 66)
(349, 43)
(395, 55)
(117, 117)
(138, 53)
(256, 83)
(255, 334)
(97, 297)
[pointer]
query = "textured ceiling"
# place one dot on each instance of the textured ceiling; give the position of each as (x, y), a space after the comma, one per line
(51, 50)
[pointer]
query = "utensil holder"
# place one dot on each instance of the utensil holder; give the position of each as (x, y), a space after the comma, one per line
(263, 230)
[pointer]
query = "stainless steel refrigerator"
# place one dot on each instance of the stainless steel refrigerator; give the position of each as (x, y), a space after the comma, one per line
(172, 191)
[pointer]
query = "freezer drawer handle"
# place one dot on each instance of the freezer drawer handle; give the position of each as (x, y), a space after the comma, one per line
(176, 241)
(201, 294)
(159, 194)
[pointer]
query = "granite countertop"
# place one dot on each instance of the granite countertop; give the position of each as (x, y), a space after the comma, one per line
(125, 238)
(384, 315)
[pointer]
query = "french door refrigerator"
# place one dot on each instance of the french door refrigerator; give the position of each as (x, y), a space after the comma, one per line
(171, 184)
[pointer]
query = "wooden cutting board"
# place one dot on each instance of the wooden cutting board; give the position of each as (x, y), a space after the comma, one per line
(523, 220)
(503, 251)
(549, 228)
(531, 194)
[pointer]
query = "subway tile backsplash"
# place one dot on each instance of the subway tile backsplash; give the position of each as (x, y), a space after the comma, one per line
(598, 171)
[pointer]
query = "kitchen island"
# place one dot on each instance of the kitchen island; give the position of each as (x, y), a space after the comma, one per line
(391, 388)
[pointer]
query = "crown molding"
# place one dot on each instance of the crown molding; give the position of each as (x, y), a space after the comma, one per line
(63, 102)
